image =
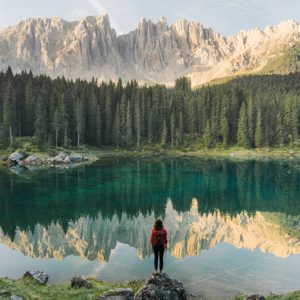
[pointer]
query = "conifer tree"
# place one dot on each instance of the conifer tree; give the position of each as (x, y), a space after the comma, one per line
(9, 111)
(259, 137)
(116, 127)
(173, 129)
(243, 134)
(164, 134)
(40, 122)
(151, 126)
(80, 120)
(56, 124)
(138, 121)
(224, 127)
(99, 139)
(128, 125)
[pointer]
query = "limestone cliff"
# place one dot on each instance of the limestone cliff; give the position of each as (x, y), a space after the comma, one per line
(152, 53)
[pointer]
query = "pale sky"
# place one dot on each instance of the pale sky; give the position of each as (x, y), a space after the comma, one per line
(225, 16)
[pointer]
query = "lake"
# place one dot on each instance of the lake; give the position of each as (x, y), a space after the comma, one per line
(232, 226)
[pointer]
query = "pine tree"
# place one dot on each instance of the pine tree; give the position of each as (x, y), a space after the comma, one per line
(294, 118)
(242, 134)
(99, 139)
(128, 125)
(3, 137)
(180, 128)
(164, 134)
(40, 122)
(9, 111)
(29, 109)
(116, 137)
(151, 126)
(259, 138)
(138, 121)
(279, 130)
(251, 122)
(173, 129)
(80, 120)
(65, 122)
(224, 127)
(56, 124)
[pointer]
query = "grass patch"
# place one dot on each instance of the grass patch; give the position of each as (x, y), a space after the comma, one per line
(27, 288)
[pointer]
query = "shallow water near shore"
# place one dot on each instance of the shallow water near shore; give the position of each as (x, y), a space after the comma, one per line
(233, 226)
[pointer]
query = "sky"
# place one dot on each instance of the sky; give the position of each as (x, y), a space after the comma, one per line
(225, 16)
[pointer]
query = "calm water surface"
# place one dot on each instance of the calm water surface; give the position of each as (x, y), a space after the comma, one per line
(233, 226)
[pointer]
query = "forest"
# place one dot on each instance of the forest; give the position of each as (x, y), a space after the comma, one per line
(250, 111)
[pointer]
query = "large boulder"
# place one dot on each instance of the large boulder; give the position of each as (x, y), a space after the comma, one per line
(40, 276)
(31, 159)
(61, 158)
(78, 282)
(74, 157)
(255, 297)
(17, 156)
(4, 293)
(118, 294)
(14, 297)
(161, 286)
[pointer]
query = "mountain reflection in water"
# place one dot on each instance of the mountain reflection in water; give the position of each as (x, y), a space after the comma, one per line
(189, 233)
(86, 210)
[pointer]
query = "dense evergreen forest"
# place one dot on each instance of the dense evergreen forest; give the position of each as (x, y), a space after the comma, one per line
(250, 111)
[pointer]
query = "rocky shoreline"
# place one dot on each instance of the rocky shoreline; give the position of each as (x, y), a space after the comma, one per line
(33, 285)
(19, 160)
(34, 282)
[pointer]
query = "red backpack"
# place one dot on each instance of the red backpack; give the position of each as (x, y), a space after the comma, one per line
(158, 238)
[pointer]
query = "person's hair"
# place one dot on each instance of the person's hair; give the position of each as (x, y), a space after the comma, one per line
(158, 224)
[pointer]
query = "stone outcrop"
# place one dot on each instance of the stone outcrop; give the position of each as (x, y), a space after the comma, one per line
(31, 159)
(74, 157)
(40, 276)
(14, 297)
(255, 297)
(78, 282)
(118, 294)
(153, 52)
(162, 287)
(17, 156)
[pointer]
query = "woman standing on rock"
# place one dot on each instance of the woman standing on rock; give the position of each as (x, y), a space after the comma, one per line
(159, 243)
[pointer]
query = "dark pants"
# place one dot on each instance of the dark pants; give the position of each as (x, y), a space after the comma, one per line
(159, 251)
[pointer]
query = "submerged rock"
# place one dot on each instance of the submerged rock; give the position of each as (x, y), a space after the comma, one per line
(78, 282)
(17, 169)
(118, 294)
(40, 276)
(161, 286)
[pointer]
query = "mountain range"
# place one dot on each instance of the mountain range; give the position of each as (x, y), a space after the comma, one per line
(151, 53)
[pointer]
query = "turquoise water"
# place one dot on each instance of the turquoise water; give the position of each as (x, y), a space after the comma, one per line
(233, 226)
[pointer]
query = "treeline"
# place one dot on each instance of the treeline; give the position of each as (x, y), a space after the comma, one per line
(251, 111)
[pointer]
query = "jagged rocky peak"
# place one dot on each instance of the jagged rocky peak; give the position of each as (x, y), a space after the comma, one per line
(153, 52)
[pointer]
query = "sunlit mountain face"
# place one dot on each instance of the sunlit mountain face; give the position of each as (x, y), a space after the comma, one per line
(96, 220)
